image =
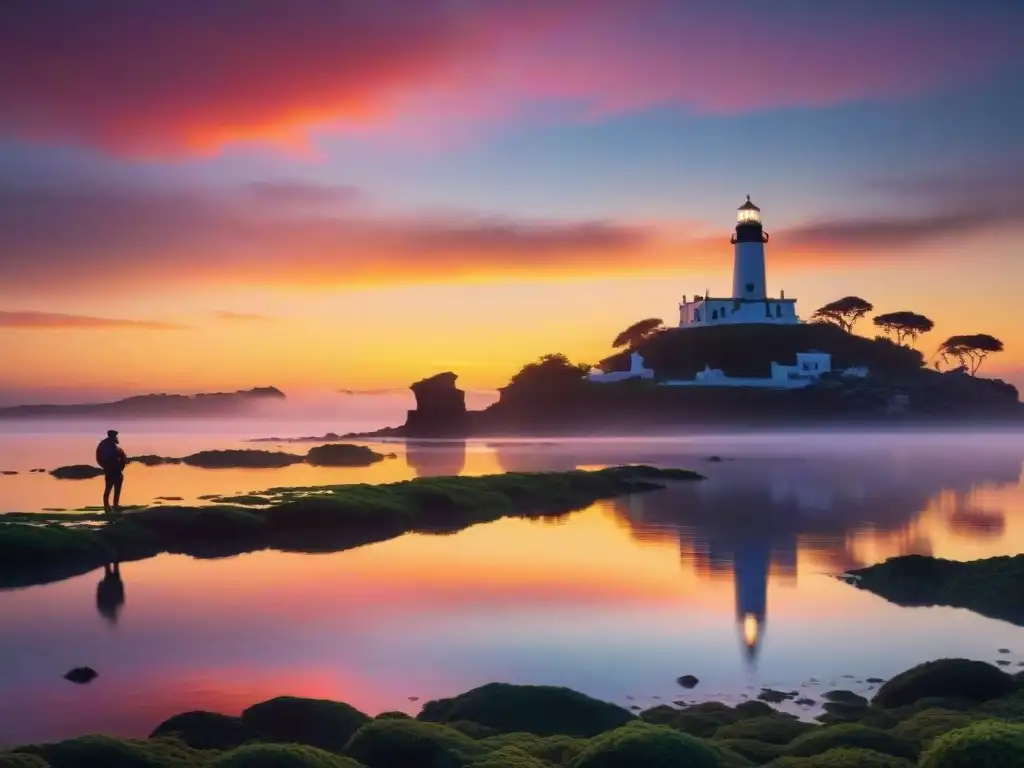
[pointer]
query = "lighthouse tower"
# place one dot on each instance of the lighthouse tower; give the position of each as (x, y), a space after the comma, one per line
(749, 302)
(748, 274)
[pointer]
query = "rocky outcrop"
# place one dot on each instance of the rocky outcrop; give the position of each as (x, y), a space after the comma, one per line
(156, 406)
(440, 408)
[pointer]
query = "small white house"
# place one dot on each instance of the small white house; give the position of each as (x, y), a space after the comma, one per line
(637, 370)
(809, 365)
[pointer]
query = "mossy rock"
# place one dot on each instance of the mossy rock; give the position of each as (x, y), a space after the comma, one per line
(757, 752)
(42, 547)
(854, 736)
(406, 743)
(558, 750)
(213, 522)
(205, 730)
(1007, 707)
(19, 760)
(281, 756)
(662, 714)
(769, 730)
(473, 730)
(985, 744)
(315, 722)
(393, 715)
(843, 758)
(964, 678)
(924, 727)
(108, 752)
(845, 697)
(510, 757)
(540, 709)
(699, 724)
(242, 459)
(755, 708)
(650, 746)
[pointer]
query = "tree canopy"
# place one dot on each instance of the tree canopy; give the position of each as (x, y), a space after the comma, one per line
(844, 312)
(970, 350)
(639, 332)
(904, 325)
(549, 373)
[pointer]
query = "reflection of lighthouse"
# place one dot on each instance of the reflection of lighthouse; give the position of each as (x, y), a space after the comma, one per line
(750, 570)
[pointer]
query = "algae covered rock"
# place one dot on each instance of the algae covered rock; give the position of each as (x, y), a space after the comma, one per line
(964, 678)
(510, 757)
(109, 752)
(770, 730)
(37, 553)
(650, 746)
(405, 743)
(205, 730)
(843, 757)
(553, 749)
(540, 709)
(315, 722)
(924, 727)
(851, 735)
(985, 744)
(757, 752)
(21, 760)
(281, 756)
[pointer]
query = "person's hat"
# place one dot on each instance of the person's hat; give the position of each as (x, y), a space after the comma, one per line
(111, 433)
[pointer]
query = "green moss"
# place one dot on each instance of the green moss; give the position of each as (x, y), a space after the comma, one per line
(315, 722)
(770, 730)
(843, 758)
(393, 715)
(510, 757)
(16, 760)
(945, 677)
(924, 727)
(205, 730)
(1007, 707)
(557, 750)
(754, 708)
(406, 743)
(989, 587)
(757, 752)
(851, 735)
(329, 519)
(39, 553)
(986, 744)
(281, 756)
(540, 709)
(109, 752)
(650, 746)
(845, 697)
(662, 714)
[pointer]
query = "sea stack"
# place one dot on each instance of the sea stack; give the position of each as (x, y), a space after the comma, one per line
(440, 408)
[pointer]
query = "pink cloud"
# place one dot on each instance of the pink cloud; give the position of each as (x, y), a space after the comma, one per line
(140, 76)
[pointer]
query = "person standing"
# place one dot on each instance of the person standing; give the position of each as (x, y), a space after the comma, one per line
(112, 461)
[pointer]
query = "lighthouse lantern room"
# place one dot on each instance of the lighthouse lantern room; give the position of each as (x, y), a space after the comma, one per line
(749, 302)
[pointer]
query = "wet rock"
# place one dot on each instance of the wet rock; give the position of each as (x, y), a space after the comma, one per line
(1003, 663)
(76, 472)
(845, 697)
(81, 675)
(875, 680)
(774, 697)
(8, 472)
(170, 498)
(687, 681)
(1004, 650)
(714, 459)
(964, 678)
(635, 707)
(414, 698)
(342, 455)
(806, 702)
(37, 470)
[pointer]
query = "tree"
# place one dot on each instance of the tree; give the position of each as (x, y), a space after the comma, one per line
(971, 350)
(639, 332)
(549, 373)
(904, 325)
(844, 312)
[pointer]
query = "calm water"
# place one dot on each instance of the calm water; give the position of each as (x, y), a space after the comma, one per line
(726, 579)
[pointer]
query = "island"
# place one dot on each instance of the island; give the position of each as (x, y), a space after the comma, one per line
(948, 713)
(156, 405)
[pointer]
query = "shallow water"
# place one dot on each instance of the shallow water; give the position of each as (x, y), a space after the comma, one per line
(726, 579)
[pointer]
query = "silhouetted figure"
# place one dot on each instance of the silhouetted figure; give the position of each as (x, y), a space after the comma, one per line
(110, 592)
(112, 460)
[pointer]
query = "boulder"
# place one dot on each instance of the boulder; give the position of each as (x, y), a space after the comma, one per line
(440, 408)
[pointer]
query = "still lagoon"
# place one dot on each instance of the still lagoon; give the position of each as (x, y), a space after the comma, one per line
(731, 579)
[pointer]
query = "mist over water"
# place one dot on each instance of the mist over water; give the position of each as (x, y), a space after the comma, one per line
(729, 579)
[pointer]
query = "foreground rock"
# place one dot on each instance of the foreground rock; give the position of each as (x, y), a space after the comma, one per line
(513, 726)
(334, 455)
(327, 518)
(991, 587)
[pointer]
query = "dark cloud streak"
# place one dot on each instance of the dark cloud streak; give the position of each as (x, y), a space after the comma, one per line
(59, 320)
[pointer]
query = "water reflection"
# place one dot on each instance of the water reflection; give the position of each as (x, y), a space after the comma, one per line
(110, 593)
(436, 458)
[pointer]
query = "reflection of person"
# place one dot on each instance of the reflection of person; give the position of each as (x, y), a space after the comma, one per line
(112, 461)
(110, 592)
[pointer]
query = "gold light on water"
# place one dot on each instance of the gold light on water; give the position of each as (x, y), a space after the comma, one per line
(750, 629)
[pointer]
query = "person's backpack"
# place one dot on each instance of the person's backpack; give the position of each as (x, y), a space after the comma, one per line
(106, 454)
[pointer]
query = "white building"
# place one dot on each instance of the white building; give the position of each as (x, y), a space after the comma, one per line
(749, 302)
(809, 368)
(637, 370)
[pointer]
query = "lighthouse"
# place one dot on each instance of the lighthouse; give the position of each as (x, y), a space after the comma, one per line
(749, 302)
(748, 280)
